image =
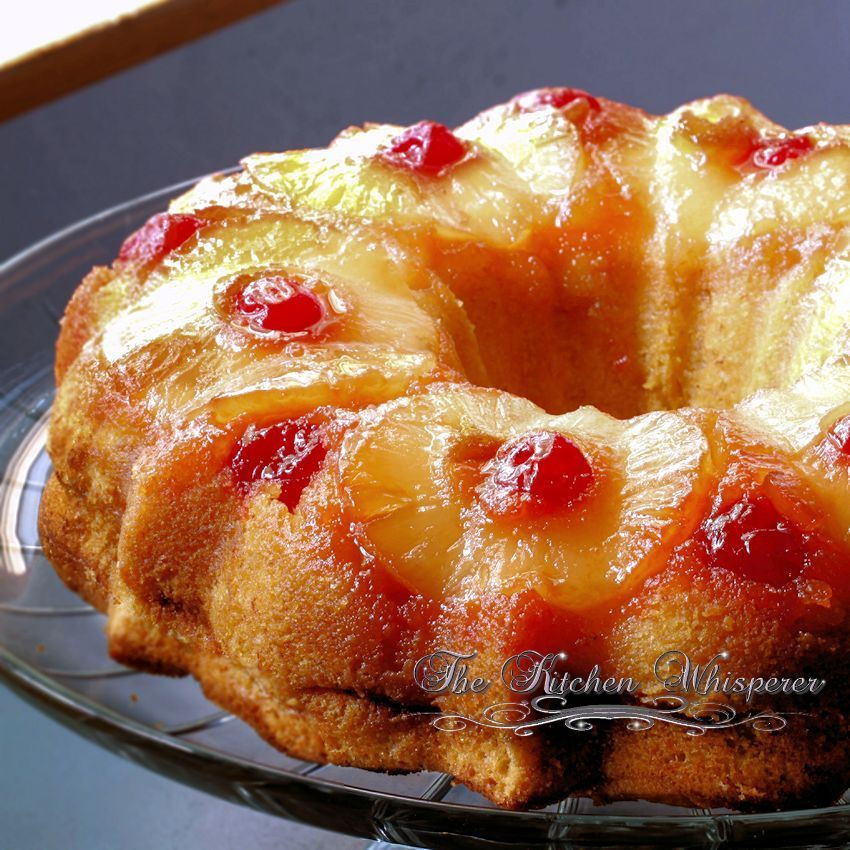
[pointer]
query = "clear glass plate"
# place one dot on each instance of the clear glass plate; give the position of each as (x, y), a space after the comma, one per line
(53, 650)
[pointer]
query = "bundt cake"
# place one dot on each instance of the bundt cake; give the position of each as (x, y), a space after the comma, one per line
(570, 379)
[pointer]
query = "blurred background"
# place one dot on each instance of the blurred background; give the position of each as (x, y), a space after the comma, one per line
(293, 76)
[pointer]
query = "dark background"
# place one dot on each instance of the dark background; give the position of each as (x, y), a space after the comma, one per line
(295, 75)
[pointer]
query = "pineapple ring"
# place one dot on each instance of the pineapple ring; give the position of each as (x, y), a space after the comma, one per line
(180, 352)
(494, 195)
(408, 477)
(793, 424)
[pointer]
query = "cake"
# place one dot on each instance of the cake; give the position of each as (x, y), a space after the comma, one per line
(571, 379)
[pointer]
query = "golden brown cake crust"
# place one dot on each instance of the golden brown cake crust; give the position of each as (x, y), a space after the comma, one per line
(70, 538)
(804, 765)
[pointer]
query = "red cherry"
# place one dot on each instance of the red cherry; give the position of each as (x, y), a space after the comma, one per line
(557, 98)
(751, 538)
(289, 453)
(160, 234)
(277, 303)
(771, 153)
(425, 148)
(839, 435)
(540, 473)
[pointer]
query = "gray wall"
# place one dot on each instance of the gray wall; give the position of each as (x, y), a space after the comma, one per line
(295, 75)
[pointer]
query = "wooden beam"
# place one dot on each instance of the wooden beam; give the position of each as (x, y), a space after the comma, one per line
(85, 57)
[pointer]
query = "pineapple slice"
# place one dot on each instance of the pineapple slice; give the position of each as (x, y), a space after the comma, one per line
(215, 190)
(810, 190)
(693, 149)
(542, 146)
(768, 240)
(518, 168)
(184, 346)
(798, 424)
(820, 312)
(417, 479)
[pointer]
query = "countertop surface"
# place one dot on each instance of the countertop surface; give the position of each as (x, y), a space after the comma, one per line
(292, 77)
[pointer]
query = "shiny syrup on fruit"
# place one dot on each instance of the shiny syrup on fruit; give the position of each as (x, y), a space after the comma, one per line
(279, 304)
(426, 148)
(752, 539)
(556, 98)
(160, 235)
(538, 474)
(288, 453)
(768, 154)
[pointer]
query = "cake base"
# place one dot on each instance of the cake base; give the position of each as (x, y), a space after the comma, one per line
(803, 764)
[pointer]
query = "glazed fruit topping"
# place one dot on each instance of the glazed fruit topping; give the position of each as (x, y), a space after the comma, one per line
(425, 148)
(751, 538)
(839, 436)
(772, 153)
(289, 454)
(557, 98)
(278, 303)
(158, 236)
(538, 474)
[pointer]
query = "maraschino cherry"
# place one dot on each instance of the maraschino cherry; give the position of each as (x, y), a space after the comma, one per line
(839, 436)
(537, 474)
(426, 148)
(288, 453)
(773, 153)
(160, 235)
(556, 98)
(275, 302)
(753, 539)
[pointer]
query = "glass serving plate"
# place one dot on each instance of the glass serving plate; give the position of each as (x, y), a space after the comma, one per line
(53, 650)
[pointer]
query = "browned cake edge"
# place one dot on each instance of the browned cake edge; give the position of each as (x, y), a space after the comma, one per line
(806, 763)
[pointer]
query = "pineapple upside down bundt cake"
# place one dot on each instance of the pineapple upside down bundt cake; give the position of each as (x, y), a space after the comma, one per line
(571, 378)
